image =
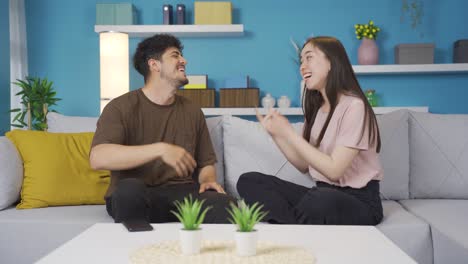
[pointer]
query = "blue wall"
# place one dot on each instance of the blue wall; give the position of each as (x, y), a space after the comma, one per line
(63, 46)
(4, 68)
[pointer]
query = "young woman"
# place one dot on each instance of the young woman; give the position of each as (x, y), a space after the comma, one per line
(339, 148)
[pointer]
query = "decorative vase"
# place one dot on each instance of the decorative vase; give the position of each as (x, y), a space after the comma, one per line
(368, 52)
(284, 102)
(190, 241)
(371, 97)
(268, 101)
(246, 243)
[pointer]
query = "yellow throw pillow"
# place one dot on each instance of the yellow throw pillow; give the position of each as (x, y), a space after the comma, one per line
(57, 170)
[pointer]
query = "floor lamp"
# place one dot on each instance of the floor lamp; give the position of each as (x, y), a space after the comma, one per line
(114, 65)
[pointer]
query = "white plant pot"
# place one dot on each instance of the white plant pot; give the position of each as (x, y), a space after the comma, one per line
(246, 243)
(190, 241)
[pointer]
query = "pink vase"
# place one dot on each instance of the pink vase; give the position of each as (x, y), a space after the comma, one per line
(368, 52)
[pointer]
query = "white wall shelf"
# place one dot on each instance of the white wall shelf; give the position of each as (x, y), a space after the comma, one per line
(296, 111)
(176, 30)
(410, 68)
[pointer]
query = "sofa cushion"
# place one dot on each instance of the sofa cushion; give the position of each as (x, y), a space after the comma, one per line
(57, 170)
(83, 214)
(11, 173)
(248, 147)
(438, 155)
(394, 154)
(448, 220)
(73, 124)
(410, 233)
(70, 124)
(28, 235)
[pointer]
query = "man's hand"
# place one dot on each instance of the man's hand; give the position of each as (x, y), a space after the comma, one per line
(211, 185)
(179, 159)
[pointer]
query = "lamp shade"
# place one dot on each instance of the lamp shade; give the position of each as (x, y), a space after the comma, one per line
(113, 51)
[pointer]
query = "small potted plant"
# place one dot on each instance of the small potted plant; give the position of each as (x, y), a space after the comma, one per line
(37, 96)
(368, 52)
(371, 97)
(245, 218)
(414, 9)
(190, 214)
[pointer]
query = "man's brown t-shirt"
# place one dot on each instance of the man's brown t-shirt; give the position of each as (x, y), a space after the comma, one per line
(132, 120)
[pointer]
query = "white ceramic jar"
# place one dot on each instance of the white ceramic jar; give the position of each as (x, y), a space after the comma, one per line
(284, 102)
(268, 101)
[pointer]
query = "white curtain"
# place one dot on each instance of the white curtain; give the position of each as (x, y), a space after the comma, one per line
(18, 49)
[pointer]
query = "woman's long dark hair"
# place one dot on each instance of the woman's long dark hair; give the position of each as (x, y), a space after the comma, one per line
(340, 80)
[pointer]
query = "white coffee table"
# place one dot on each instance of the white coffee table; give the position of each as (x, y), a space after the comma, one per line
(112, 243)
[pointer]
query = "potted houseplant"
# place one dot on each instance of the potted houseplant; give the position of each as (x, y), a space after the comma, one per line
(37, 96)
(414, 9)
(371, 97)
(297, 61)
(190, 214)
(245, 217)
(368, 52)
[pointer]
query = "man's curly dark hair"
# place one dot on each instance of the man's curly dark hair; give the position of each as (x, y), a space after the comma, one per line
(153, 48)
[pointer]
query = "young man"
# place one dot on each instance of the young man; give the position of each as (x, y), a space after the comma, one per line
(156, 143)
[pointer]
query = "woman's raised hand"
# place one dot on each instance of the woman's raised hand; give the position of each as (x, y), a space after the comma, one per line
(274, 123)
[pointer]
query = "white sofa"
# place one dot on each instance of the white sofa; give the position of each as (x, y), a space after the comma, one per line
(425, 186)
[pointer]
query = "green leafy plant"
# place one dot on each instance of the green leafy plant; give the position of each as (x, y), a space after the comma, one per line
(297, 51)
(369, 30)
(414, 9)
(189, 212)
(244, 216)
(371, 97)
(37, 96)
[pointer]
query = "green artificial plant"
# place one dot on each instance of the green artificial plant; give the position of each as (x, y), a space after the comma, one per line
(37, 96)
(189, 212)
(369, 30)
(414, 9)
(245, 216)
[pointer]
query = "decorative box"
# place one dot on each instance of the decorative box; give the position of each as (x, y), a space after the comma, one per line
(212, 13)
(202, 97)
(460, 51)
(239, 97)
(241, 81)
(116, 14)
(419, 53)
(197, 82)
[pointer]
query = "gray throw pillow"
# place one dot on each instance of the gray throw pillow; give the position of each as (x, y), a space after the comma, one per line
(248, 147)
(438, 156)
(394, 154)
(11, 173)
(215, 128)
